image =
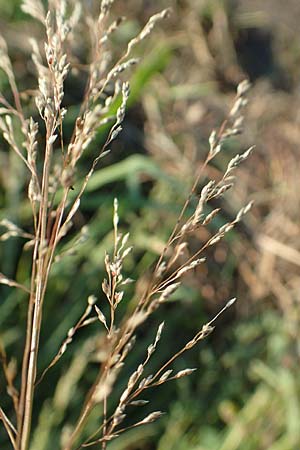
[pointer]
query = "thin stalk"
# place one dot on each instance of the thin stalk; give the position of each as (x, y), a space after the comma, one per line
(11, 431)
(35, 312)
(87, 408)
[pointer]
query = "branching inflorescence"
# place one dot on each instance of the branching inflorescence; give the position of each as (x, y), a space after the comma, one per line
(53, 209)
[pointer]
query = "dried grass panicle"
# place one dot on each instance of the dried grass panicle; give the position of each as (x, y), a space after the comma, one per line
(53, 211)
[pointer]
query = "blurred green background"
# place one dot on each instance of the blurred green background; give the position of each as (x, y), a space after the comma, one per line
(245, 394)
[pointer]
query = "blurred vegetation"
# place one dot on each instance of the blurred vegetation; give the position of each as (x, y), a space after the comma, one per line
(245, 394)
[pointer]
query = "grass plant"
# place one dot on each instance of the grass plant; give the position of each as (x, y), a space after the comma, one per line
(56, 188)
